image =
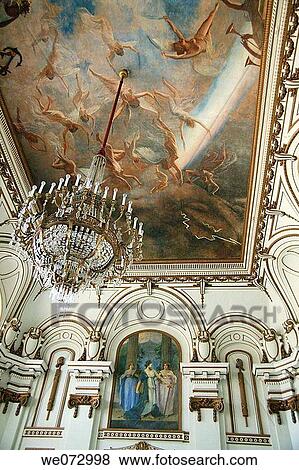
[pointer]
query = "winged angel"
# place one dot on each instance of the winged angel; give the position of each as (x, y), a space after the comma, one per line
(174, 102)
(211, 166)
(50, 71)
(35, 140)
(129, 99)
(199, 48)
(47, 24)
(100, 25)
(79, 99)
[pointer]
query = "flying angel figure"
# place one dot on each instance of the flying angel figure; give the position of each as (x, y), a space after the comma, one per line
(50, 71)
(47, 24)
(113, 157)
(58, 117)
(79, 100)
(35, 141)
(183, 116)
(101, 25)
(189, 48)
(210, 167)
(129, 99)
(62, 162)
(206, 60)
(169, 163)
(247, 41)
(162, 181)
(130, 151)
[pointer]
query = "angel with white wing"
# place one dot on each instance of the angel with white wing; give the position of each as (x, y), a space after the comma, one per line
(176, 110)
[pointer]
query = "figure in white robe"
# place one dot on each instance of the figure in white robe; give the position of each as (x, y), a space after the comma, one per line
(166, 388)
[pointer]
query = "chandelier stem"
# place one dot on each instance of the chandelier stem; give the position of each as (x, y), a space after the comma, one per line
(123, 74)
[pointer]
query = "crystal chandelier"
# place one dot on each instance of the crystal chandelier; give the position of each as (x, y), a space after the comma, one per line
(79, 235)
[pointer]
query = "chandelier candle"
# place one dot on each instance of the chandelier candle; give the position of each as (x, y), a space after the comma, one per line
(79, 236)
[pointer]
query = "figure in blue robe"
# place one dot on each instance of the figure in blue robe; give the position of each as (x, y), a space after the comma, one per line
(146, 389)
(127, 388)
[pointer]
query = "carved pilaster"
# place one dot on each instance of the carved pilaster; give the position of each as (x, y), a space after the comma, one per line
(93, 401)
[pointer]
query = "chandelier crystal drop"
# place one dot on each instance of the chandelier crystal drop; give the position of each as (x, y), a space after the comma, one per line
(79, 235)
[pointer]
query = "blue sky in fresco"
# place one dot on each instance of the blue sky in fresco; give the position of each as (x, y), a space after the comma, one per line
(68, 15)
(179, 11)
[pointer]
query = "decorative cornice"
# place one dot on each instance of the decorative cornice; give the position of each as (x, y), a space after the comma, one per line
(278, 153)
(12, 167)
(8, 396)
(93, 401)
(90, 370)
(197, 403)
(204, 371)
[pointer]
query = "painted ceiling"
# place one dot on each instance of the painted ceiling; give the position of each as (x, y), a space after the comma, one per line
(184, 132)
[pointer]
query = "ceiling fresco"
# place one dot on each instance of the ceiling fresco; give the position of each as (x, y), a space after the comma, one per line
(182, 141)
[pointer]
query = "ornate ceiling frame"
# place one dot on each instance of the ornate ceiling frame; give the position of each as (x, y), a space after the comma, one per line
(279, 55)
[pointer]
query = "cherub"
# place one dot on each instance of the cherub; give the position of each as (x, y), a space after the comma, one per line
(79, 102)
(103, 26)
(49, 71)
(113, 157)
(32, 138)
(172, 152)
(183, 116)
(129, 99)
(188, 48)
(58, 117)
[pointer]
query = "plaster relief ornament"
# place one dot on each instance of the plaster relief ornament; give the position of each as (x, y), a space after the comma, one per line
(202, 345)
(95, 346)
(292, 333)
(11, 332)
(32, 342)
(270, 344)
